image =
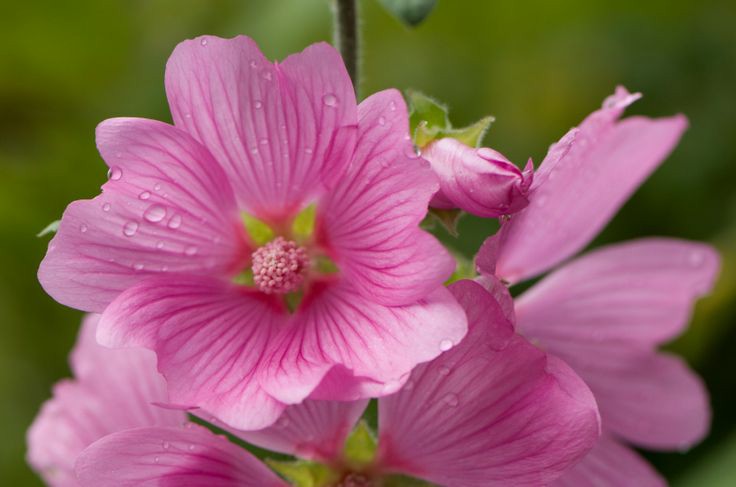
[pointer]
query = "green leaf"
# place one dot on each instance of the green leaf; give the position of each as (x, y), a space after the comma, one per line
(258, 230)
(426, 110)
(303, 474)
(471, 135)
(360, 447)
(464, 269)
(303, 225)
(411, 12)
(50, 228)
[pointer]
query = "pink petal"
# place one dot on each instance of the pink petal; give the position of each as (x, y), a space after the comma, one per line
(211, 339)
(582, 182)
(479, 181)
(493, 411)
(280, 131)
(113, 391)
(189, 456)
(637, 294)
(313, 430)
(371, 218)
(611, 464)
(166, 208)
(603, 314)
(654, 401)
(374, 342)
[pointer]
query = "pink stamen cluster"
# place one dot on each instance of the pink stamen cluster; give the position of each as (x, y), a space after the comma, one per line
(278, 266)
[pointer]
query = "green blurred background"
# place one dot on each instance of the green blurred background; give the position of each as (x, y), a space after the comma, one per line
(538, 66)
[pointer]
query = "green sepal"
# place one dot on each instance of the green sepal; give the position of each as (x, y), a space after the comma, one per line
(410, 12)
(50, 228)
(303, 225)
(325, 265)
(293, 300)
(472, 135)
(245, 278)
(447, 218)
(427, 110)
(360, 447)
(258, 230)
(303, 474)
(464, 269)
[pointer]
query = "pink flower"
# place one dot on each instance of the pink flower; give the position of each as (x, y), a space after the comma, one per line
(494, 410)
(606, 313)
(479, 181)
(113, 391)
(266, 246)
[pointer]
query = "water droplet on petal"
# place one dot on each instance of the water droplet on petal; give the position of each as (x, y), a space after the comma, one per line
(392, 106)
(144, 195)
(411, 153)
(258, 104)
(264, 141)
(166, 445)
(83, 228)
(267, 75)
(451, 399)
(308, 150)
(106, 207)
(130, 228)
(155, 459)
(203, 41)
(253, 64)
(381, 121)
(114, 173)
(138, 267)
(696, 258)
(175, 222)
(445, 345)
(190, 251)
(159, 244)
(444, 370)
(330, 100)
(155, 213)
(283, 422)
(157, 187)
(191, 447)
(187, 115)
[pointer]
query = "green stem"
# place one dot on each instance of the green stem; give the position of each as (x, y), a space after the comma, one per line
(346, 36)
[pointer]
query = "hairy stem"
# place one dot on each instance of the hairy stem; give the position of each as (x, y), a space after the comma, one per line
(346, 35)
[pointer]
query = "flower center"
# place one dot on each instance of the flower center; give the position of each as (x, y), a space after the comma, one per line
(355, 480)
(279, 266)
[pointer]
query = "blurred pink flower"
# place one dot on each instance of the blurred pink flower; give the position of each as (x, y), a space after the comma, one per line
(479, 181)
(605, 313)
(115, 390)
(495, 410)
(351, 307)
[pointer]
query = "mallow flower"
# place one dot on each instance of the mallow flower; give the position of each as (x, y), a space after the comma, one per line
(494, 410)
(605, 313)
(266, 246)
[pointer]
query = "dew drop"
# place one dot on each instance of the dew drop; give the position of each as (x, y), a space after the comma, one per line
(444, 370)
(114, 173)
(254, 150)
(83, 228)
(155, 213)
(330, 100)
(130, 228)
(451, 399)
(264, 141)
(166, 445)
(106, 207)
(155, 459)
(187, 115)
(381, 121)
(308, 150)
(165, 268)
(411, 153)
(258, 104)
(203, 41)
(267, 75)
(159, 244)
(138, 267)
(175, 222)
(190, 251)
(283, 422)
(392, 106)
(191, 447)
(157, 187)
(253, 64)
(696, 258)
(144, 195)
(445, 345)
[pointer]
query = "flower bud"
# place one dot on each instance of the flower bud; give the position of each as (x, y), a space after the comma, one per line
(479, 181)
